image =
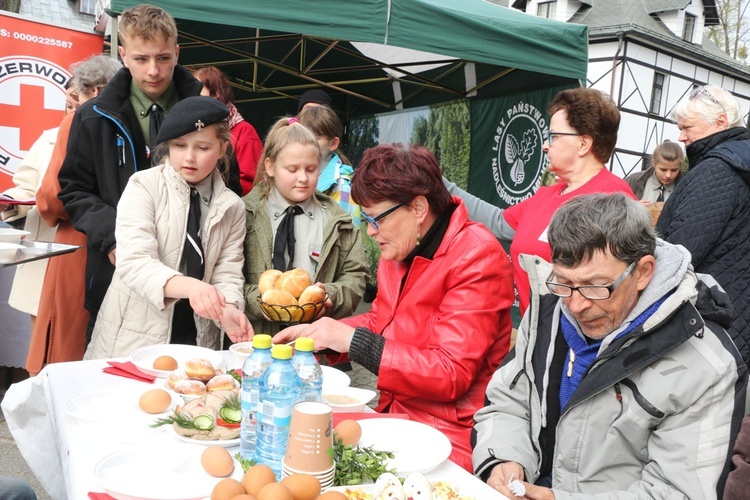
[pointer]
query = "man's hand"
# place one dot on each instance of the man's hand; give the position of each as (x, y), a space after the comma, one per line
(326, 332)
(504, 473)
(113, 256)
(235, 324)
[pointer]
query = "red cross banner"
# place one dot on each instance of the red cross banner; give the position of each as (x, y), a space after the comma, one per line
(34, 66)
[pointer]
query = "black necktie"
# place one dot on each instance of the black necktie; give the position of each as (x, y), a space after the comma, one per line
(661, 193)
(193, 253)
(183, 318)
(154, 124)
(285, 240)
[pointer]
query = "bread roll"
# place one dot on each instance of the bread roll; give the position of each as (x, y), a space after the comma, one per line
(193, 387)
(294, 281)
(278, 298)
(221, 383)
(176, 376)
(267, 280)
(311, 295)
(200, 369)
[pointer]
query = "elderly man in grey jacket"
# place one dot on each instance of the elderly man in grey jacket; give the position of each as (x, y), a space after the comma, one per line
(624, 383)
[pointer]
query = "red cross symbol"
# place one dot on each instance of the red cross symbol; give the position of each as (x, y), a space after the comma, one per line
(31, 117)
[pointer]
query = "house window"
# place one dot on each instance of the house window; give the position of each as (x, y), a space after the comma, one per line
(546, 9)
(687, 32)
(657, 92)
(87, 7)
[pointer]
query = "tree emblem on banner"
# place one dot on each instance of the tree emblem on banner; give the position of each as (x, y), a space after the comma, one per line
(519, 154)
(518, 160)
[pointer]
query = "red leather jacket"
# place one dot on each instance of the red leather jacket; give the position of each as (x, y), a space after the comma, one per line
(447, 330)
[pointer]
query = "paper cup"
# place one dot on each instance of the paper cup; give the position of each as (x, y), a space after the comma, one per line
(310, 438)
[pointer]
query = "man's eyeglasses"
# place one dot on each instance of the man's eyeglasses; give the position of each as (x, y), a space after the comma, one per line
(591, 292)
(373, 221)
(553, 135)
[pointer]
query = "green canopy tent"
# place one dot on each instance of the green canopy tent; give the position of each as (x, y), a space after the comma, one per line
(275, 50)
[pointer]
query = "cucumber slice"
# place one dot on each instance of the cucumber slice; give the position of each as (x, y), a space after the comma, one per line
(204, 422)
(230, 415)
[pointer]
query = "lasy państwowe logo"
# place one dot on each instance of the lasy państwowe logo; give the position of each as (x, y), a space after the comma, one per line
(518, 160)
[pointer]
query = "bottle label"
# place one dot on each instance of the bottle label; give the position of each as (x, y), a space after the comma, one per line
(277, 415)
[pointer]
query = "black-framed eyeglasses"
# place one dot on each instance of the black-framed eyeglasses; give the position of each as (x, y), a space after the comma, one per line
(373, 221)
(590, 292)
(553, 135)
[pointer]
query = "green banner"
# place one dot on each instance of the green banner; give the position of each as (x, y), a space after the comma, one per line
(507, 134)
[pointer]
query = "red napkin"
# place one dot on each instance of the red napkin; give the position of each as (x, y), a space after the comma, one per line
(129, 370)
(338, 417)
(100, 496)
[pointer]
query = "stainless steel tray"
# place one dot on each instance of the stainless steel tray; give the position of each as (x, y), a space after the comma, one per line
(36, 250)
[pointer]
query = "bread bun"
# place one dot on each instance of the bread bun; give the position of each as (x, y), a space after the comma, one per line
(312, 294)
(195, 387)
(267, 280)
(175, 377)
(221, 383)
(278, 298)
(294, 281)
(200, 369)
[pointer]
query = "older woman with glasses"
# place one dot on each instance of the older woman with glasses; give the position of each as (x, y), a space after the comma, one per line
(709, 211)
(582, 136)
(440, 324)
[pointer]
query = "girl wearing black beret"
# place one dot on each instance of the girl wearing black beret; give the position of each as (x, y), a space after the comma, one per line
(179, 235)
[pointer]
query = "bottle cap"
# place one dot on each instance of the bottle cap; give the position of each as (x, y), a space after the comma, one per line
(304, 344)
(281, 351)
(261, 341)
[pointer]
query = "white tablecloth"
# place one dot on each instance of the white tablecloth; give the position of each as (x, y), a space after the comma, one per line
(62, 451)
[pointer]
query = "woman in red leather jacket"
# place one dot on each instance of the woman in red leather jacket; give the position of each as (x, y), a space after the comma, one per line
(440, 324)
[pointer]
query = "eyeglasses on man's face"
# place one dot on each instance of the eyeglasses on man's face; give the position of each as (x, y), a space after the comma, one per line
(590, 292)
(373, 221)
(555, 135)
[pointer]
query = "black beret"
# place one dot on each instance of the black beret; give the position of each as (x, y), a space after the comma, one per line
(191, 114)
(317, 96)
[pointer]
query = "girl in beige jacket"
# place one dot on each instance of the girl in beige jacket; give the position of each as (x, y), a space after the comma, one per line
(179, 231)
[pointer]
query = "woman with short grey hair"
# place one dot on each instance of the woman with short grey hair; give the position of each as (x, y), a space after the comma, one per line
(709, 211)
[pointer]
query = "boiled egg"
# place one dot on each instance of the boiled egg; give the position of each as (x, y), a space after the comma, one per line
(155, 401)
(167, 363)
(217, 461)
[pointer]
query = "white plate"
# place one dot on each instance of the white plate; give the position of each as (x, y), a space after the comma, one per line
(104, 405)
(333, 377)
(144, 357)
(416, 447)
(224, 443)
(151, 472)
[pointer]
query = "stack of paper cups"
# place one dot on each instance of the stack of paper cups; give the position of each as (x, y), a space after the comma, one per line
(308, 449)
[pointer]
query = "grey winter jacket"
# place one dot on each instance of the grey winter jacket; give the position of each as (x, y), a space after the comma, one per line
(655, 416)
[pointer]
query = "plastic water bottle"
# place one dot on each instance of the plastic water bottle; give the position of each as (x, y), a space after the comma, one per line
(308, 369)
(279, 392)
(254, 366)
